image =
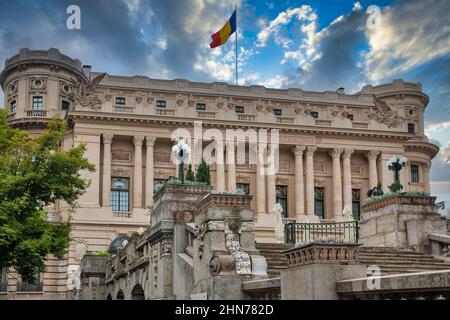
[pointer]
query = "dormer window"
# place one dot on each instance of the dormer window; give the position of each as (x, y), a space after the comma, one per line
(277, 112)
(239, 109)
(161, 104)
(411, 128)
(13, 106)
(314, 114)
(120, 101)
(200, 106)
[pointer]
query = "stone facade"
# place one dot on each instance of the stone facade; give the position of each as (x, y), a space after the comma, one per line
(330, 143)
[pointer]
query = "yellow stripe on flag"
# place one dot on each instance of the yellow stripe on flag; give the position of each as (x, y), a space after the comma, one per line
(225, 32)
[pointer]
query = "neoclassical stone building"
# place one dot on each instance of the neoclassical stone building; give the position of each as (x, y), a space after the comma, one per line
(332, 146)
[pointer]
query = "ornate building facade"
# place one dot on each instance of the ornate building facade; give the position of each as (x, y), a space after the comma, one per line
(332, 146)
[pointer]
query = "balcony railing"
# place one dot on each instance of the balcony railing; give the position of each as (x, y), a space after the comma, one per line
(360, 125)
(285, 120)
(325, 123)
(246, 117)
(206, 114)
(122, 214)
(27, 287)
(36, 113)
(124, 109)
(340, 232)
(165, 112)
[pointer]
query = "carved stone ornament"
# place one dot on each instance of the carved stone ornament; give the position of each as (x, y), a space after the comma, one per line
(384, 114)
(84, 95)
(180, 99)
(220, 103)
(191, 101)
(241, 258)
(259, 105)
(150, 98)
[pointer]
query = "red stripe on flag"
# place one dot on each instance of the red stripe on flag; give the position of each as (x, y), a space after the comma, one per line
(216, 40)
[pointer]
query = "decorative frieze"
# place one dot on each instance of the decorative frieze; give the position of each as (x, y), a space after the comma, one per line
(224, 200)
(322, 253)
(385, 114)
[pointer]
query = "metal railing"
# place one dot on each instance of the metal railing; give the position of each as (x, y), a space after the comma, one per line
(340, 232)
(29, 287)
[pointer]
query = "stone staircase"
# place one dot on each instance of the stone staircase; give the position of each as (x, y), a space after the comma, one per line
(394, 261)
(276, 260)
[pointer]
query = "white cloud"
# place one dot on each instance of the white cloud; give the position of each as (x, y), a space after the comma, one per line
(357, 6)
(400, 43)
(275, 82)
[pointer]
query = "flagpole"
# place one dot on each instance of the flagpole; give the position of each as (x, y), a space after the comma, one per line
(236, 37)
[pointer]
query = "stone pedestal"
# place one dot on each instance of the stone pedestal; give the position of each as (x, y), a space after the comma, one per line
(401, 221)
(224, 247)
(314, 269)
(92, 279)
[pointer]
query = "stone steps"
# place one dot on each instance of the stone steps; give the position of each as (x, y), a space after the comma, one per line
(276, 260)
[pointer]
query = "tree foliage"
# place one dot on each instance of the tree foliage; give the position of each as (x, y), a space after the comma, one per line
(35, 172)
(203, 173)
(190, 176)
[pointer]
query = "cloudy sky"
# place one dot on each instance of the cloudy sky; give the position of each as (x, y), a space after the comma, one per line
(315, 45)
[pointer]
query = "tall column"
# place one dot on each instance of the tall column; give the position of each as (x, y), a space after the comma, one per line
(337, 183)
(310, 181)
(138, 140)
(347, 177)
(231, 166)
(107, 141)
(299, 188)
(271, 174)
(220, 167)
(260, 185)
(373, 176)
(150, 143)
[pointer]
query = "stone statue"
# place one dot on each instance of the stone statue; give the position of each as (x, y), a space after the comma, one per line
(279, 230)
(181, 152)
(347, 214)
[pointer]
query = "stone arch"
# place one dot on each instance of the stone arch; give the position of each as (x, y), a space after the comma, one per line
(109, 297)
(137, 293)
(120, 295)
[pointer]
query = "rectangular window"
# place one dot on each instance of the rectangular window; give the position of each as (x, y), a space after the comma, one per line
(243, 188)
(314, 114)
(239, 109)
(158, 184)
(32, 286)
(411, 128)
(37, 103)
(120, 194)
(160, 103)
(277, 112)
(65, 105)
(319, 202)
(120, 101)
(414, 173)
(13, 106)
(200, 106)
(350, 117)
(356, 203)
(282, 198)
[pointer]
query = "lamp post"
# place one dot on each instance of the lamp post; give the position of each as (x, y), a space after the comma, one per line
(181, 152)
(396, 164)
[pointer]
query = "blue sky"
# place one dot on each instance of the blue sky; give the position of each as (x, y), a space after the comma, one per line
(315, 45)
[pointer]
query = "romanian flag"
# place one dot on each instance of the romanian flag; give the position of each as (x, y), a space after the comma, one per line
(221, 36)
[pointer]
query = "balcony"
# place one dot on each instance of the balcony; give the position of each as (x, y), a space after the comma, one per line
(246, 117)
(120, 214)
(36, 113)
(165, 112)
(360, 125)
(206, 114)
(337, 232)
(289, 120)
(124, 109)
(324, 123)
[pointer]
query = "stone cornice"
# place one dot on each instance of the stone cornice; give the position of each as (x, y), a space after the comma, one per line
(224, 200)
(176, 121)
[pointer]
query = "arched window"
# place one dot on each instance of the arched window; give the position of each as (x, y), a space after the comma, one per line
(137, 293)
(120, 295)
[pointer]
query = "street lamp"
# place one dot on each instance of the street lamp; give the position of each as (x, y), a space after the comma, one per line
(396, 164)
(181, 152)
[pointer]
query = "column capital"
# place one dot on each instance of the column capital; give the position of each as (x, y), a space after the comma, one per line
(372, 154)
(310, 150)
(336, 153)
(150, 141)
(138, 140)
(347, 153)
(107, 138)
(298, 151)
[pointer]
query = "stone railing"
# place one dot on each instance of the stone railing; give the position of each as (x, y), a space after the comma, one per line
(398, 199)
(338, 232)
(360, 125)
(36, 113)
(440, 244)
(289, 120)
(327, 253)
(165, 112)
(185, 188)
(206, 114)
(224, 200)
(124, 109)
(246, 117)
(324, 123)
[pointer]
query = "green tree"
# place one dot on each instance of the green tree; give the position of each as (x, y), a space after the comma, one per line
(190, 176)
(203, 173)
(34, 173)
